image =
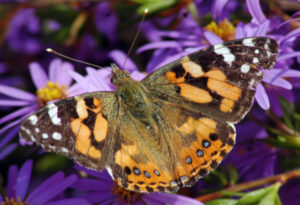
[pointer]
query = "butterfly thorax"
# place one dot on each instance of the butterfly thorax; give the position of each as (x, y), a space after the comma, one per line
(132, 96)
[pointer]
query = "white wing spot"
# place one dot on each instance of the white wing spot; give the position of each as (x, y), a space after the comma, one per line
(53, 110)
(245, 68)
(267, 44)
(252, 81)
(255, 60)
(56, 136)
(256, 51)
(65, 150)
(225, 52)
(52, 147)
(32, 138)
(33, 119)
(37, 130)
(27, 131)
(45, 135)
(248, 42)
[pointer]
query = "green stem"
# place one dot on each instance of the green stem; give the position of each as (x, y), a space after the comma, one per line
(282, 178)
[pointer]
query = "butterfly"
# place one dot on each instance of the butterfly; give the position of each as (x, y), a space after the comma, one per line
(166, 131)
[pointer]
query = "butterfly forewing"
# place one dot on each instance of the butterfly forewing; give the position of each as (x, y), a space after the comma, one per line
(76, 127)
(219, 81)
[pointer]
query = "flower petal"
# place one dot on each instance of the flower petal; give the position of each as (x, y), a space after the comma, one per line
(52, 180)
(158, 45)
(16, 93)
(240, 33)
(93, 184)
(97, 81)
(170, 199)
(275, 79)
(11, 124)
(10, 103)
(55, 69)
(64, 78)
(218, 9)
(17, 113)
(262, 28)
(106, 198)
(120, 57)
(293, 33)
(12, 181)
(288, 55)
(38, 75)
(262, 97)
(23, 180)
(256, 11)
(73, 201)
(7, 150)
(54, 190)
(275, 105)
(212, 38)
(79, 79)
(9, 136)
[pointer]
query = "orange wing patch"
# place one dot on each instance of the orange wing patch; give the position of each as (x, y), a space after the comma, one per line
(195, 90)
(83, 132)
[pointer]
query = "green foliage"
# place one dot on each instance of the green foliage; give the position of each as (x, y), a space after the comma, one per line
(263, 196)
(51, 162)
(154, 5)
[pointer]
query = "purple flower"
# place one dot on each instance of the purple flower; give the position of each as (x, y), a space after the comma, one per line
(23, 32)
(52, 87)
(106, 21)
(99, 80)
(101, 189)
(253, 158)
(48, 192)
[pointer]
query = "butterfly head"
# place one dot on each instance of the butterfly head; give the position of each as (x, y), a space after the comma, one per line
(118, 75)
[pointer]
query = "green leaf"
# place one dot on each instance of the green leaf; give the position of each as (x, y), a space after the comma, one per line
(156, 6)
(288, 110)
(51, 162)
(233, 174)
(272, 197)
(290, 163)
(222, 202)
(254, 196)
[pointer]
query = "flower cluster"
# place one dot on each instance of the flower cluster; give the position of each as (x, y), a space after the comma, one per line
(100, 33)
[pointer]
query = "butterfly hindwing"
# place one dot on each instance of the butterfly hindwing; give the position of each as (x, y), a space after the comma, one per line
(219, 81)
(180, 147)
(77, 127)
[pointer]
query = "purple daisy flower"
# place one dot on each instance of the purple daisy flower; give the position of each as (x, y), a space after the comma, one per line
(99, 80)
(24, 28)
(101, 189)
(54, 86)
(19, 188)
(253, 158)
(106, 21)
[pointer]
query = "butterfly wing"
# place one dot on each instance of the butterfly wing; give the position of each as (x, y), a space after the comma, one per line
(179, 147)
(78, 127)
(220, 81)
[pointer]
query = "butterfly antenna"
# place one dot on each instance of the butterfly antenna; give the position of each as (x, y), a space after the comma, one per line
(135, 37)
(50, 50)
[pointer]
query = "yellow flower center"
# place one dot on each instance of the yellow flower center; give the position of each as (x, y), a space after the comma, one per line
(12, 201)
(125, 196)
(224, 30)
(52, 91)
